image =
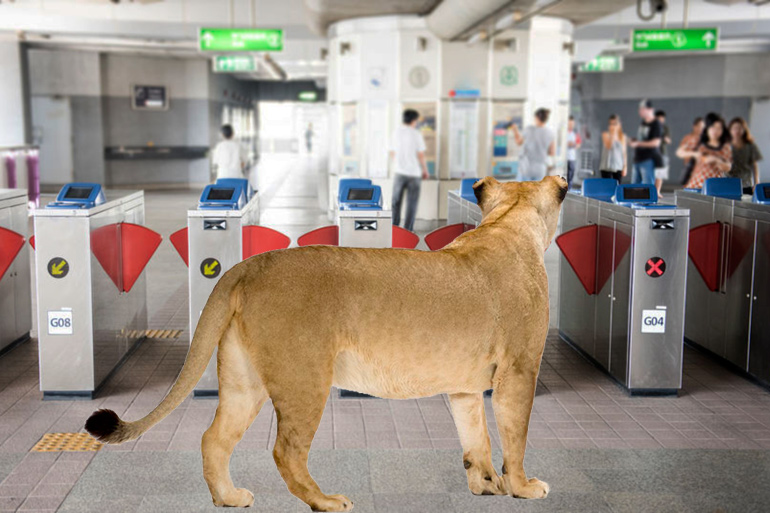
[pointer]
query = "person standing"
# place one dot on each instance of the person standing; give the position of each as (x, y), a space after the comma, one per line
(573, 144)
(661, 173)
(229, 155)
(647, 145)
(689, 144)
(309, 138)
(408, 152)
(714, 155)
(614, 162)
(538, 144)
(746, 155)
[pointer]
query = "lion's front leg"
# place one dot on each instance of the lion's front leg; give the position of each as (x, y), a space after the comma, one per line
(514, 393)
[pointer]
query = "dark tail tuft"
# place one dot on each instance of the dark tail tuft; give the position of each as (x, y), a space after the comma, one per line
(103, 424)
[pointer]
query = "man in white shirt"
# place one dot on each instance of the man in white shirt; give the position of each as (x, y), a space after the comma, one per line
(408, 152)
(229, 156)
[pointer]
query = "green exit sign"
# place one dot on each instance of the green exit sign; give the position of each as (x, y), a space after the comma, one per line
(240, 40)
(234, 63)
(668, 40)
(603, 63)
(307, 96)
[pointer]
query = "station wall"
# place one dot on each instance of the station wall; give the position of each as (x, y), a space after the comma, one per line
(95, 89)
(685, 87)
(13, 130)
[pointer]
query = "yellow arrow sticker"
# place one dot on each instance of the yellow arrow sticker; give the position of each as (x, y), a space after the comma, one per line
(58, 267)
(210, 268)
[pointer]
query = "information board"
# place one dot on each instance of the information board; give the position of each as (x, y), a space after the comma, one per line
(234, 63)
(146, 97)
(603, 64)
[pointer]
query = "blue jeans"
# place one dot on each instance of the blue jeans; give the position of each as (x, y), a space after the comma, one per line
(410, 185)
(644, 172)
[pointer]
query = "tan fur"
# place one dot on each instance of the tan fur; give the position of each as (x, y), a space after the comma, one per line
(391, 323)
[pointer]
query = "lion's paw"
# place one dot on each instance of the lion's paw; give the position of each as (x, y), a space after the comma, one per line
(332, 503)
(240, 498)
(492, 485)
(533, 489)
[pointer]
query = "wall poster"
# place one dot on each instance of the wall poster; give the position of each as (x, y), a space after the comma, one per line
(349, 129)
(377, 137)
(463, 139)
(427, 126)
(505, 151)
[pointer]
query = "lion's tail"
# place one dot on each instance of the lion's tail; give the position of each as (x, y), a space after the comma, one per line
(107, 427)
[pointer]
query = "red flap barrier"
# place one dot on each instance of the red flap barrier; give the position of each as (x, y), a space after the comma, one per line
(106, 249)
(439, 238)
(589, 249)
(741, 241)
(327, 235)
(579, 248)
(123, 250)
(10, 245)
(705, 251)
(403, 238)
(32, 242)
(138, 245)
(259, 239)
(179, 241)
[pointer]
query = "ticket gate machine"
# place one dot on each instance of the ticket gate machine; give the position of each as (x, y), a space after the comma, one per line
(462, 206)
(362, 221)
(216, 239)
(15, 295)
(622, 277)
(90, 250)
(728, 290)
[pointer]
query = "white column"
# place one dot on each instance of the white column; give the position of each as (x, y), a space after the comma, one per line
(13, 128)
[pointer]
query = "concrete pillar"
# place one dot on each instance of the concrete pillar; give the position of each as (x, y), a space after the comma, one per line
(13, 112)
(380, 66)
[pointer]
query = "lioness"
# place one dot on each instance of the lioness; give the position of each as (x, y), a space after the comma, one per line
(392, 323)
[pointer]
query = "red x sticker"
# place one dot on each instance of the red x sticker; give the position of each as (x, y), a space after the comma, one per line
(655, 267)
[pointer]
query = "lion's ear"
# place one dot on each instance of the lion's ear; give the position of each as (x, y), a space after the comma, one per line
(484, 188)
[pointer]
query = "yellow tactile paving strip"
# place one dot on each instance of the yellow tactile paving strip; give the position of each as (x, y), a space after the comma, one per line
(67, 442)
(155, 333)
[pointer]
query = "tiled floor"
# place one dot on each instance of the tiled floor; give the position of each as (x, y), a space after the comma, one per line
(601, 450)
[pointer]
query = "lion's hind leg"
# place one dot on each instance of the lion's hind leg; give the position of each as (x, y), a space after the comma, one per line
(241, 396)
(470, 419)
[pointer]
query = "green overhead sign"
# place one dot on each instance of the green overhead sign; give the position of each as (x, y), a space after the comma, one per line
(603, 63)
(307, 96)
(240, 40)
(234, 63)
(676, 40)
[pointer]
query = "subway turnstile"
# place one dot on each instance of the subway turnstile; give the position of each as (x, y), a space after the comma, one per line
(217, 237)
(90, 251)
(728, 290)
(462, 206)
(622, 276)
(15, 295)
(362, 221)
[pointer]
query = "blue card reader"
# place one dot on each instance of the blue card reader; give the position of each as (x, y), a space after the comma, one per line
(347, 183)
(222, 197)
(636, 195)
(762, 193)
(368, 197)
(78, 195)
(466, 189)
(602, 189)
(730, 188)
(243, 182)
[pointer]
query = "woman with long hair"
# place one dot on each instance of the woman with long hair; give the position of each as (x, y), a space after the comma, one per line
(746, 155)
(714, 154)
(688, 144)
(614, 163)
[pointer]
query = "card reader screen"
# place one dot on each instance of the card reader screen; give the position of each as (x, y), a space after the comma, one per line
(220, 193)
(360, 194)
(766, 190)
(78, 192)
(636, 193)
